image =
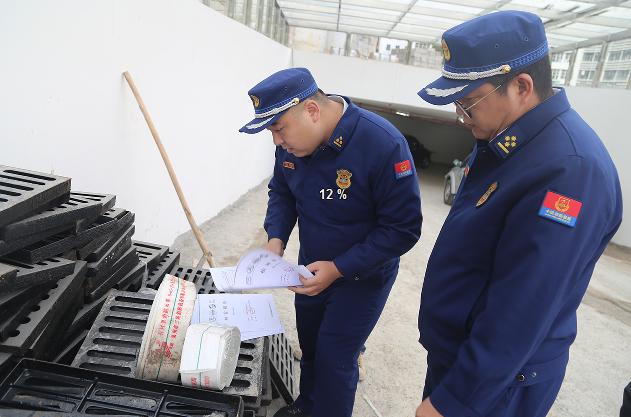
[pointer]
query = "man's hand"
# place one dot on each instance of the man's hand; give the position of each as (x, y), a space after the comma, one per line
(325, 273)
(276, 246)
(426, 409)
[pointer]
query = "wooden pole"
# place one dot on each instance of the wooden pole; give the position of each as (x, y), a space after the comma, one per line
(176, 184)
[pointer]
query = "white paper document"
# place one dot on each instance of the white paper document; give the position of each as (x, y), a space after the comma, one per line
(259, 268)
(223, 278)
(254, 314)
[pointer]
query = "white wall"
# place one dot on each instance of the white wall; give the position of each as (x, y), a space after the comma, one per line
(605, 110)
(315, 40)
(370, 80)
(65, 105)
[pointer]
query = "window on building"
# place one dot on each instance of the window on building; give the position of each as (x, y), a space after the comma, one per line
(615, 55)
(387, 47)
(586, 75)
(562, 57)
(591, 57)
(616, 75)
(558, 74)
(620, 55)
(397, 47)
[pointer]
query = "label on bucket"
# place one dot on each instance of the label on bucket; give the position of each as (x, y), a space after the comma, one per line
(162, 343)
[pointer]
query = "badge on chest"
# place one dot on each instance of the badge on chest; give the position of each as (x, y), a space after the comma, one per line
(343, 182)
(488, 193)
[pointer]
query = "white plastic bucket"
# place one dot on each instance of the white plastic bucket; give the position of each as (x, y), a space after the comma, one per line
(210, 355)
(163, 340)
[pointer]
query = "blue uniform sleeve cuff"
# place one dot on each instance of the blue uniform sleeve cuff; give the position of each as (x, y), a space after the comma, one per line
(277, 233)
(447, 405)
(345, 267)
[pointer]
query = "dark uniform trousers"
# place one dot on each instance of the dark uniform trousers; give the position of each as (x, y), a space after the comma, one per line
(332, 327)
(517, 401)
(358, 205)
(625, 410)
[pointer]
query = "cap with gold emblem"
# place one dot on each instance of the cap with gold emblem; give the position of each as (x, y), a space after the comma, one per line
(489, 45)
(276, 94)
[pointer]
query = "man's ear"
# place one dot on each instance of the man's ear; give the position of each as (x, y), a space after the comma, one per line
(313, 110)
(525, 88)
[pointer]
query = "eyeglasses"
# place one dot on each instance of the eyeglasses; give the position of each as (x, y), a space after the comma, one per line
(466, 111)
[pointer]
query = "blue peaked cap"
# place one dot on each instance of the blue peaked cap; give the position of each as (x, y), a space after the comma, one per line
(489, 45)
(276, 94)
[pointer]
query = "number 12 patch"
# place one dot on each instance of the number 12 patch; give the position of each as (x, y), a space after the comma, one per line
(403, 169)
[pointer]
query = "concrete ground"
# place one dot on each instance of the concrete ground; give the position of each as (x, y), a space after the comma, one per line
(600, 364)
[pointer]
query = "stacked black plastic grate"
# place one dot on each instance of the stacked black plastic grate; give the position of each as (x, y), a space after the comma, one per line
(61, 252)
(63, 390)
(76, 289)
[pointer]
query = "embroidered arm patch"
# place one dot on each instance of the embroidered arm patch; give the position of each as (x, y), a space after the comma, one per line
(403, 169)
(560, 208)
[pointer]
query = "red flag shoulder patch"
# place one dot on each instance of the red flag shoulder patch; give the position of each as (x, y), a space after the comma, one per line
(403, 169)
(560, 208)
(289, 165)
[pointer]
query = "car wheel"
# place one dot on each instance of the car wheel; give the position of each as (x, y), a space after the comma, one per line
(425, 162)
(448, 197)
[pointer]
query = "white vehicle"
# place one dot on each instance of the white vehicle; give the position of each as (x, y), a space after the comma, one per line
(453, 179)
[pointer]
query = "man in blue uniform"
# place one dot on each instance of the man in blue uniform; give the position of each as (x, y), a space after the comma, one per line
(540, 201)
(347, 175)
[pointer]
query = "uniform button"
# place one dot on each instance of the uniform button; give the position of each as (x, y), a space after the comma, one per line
(356, 278)
(521, 377)
(534, 374)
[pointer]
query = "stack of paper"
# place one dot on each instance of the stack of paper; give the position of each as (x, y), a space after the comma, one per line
(254, 314)
(259, 268)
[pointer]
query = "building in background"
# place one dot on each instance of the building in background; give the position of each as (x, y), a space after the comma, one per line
(560, 64)
(607, 65)
(596, 64)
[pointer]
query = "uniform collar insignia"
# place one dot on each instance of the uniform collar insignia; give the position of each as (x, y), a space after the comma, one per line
(508, 142)
(339, 139)
(529, 125)
(486, 195)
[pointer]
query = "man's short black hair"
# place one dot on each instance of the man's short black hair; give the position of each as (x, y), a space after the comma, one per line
(540, 72)
(318, 96)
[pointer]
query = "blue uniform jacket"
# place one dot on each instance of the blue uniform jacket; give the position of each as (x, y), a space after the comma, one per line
(512, 261)
(357, 198)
